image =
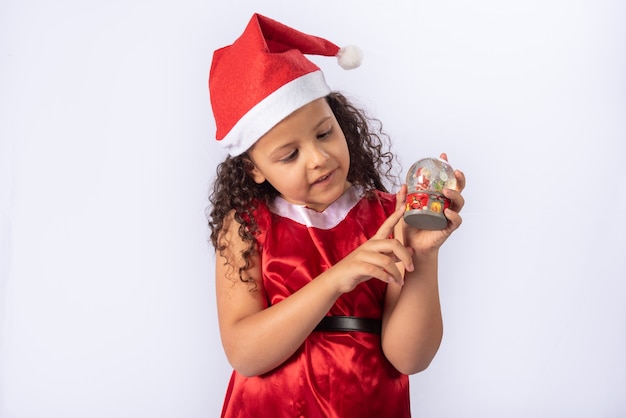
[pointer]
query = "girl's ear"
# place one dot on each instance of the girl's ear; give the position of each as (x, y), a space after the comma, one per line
(253, 172)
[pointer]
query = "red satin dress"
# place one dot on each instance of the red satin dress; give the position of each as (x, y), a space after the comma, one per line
(333, 374)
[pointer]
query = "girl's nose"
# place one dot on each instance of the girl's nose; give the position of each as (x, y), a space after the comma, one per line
(318, 156)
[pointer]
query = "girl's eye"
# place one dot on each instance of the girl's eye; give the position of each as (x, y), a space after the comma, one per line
(325, 134)
(290, 157)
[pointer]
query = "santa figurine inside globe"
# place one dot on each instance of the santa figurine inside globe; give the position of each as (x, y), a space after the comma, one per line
(425, 202)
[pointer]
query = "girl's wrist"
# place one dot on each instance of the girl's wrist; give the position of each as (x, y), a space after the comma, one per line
(424, 256)
(332, 286)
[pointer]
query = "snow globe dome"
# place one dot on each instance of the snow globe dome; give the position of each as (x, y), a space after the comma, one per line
(425, 202)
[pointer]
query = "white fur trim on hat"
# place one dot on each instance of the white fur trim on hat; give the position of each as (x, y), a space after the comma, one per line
(273, 109)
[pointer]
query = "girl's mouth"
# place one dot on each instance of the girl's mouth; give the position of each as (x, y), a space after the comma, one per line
(323, 178)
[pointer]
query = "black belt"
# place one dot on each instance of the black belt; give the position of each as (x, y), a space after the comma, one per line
(349, 323)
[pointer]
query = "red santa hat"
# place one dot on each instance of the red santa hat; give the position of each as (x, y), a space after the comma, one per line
(264, 76)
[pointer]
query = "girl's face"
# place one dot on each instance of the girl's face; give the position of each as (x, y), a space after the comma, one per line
(305, 157)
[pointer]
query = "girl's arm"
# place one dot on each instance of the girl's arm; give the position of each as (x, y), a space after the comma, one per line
(257, 338)
(412, 321)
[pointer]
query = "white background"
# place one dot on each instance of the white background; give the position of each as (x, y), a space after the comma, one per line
(107, 153)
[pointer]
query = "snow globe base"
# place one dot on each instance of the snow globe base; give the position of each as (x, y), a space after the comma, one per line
(424, 210)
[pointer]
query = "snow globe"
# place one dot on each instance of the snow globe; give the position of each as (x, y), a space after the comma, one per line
(425, 201)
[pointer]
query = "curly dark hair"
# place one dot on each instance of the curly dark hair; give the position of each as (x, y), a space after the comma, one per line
(370, 167)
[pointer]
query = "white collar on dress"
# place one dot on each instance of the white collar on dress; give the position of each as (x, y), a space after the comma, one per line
(329, 218)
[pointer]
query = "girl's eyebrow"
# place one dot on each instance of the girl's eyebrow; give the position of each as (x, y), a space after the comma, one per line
(321, 122)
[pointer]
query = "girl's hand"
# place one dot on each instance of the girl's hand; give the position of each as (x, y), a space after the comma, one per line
(375, 258)
(424, 242)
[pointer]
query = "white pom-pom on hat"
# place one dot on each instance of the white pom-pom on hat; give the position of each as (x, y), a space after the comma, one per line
(349, 57)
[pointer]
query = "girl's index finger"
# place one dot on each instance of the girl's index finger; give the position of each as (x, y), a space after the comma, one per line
(401, 197)
(387, 227)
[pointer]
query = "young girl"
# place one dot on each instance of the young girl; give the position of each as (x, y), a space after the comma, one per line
(326, 299)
